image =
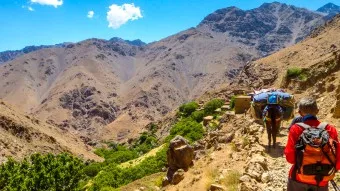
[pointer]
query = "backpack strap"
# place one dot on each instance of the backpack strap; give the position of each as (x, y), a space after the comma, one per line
(322, 125)
(303, 125)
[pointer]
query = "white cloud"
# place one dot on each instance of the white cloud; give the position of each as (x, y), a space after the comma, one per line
(54, 3)
(27, 7)
(119, 15)
(90, 14)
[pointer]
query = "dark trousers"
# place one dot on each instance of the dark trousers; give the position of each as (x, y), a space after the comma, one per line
(298, 186)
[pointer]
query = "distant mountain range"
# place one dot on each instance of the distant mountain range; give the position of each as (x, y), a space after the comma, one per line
(110, 89)
(12, 54)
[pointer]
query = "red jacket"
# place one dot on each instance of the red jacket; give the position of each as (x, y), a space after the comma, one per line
(294, 134)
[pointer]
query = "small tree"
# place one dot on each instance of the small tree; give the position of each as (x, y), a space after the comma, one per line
(42, 172)
(212, 105)
(198, 116)
(188, 108)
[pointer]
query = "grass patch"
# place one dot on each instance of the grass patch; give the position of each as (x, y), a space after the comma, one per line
(297, 73)
(233, 147)
(212, 174)
(213, 125)
(245, 141)
(232, 180)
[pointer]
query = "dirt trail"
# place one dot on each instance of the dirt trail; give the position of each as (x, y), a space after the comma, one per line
(277, 164)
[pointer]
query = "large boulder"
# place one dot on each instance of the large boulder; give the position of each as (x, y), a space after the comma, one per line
(180, 156)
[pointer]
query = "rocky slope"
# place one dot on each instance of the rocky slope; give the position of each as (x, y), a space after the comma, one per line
(103, 89)
(22, 135)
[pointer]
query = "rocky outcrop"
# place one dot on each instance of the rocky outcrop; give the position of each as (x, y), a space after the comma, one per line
(180, 156)
(83, 107)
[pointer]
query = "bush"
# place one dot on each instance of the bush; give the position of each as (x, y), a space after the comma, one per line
(115, 176)
(294, 72)
(212, 105)
(42, 172)
(232, 102)
(188, 108)
(92, 169)
(145, 143)
(117, 154)
(198, 116)
(188, 128)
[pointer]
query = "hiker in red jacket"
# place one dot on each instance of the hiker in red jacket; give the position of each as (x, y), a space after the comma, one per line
(313, 166)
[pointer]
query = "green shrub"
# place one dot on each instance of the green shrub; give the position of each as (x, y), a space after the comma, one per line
(303, 77)
(232, 102)
(118, 154)
(188, 128)
(145, 143)
(188, 108)
(42, 172)
(92, 169)
(297, 73)
(198, 116)
(294, 72)
(212, 105)
(115, 176)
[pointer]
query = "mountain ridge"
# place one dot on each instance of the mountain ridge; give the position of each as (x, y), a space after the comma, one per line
(109, 89)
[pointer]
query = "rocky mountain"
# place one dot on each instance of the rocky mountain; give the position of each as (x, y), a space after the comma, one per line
(268, 28)
(110, 89)
(12, 54)
(330, 10)
(22, 135)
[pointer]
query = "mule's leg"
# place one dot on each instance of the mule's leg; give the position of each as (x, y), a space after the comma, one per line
(274, 138)
(269, 134)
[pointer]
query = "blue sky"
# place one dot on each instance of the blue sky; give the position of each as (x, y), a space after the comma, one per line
(37, 22)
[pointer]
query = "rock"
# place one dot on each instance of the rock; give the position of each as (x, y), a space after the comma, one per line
(178, 176)
(180, 157)
(259, 159)
(207, 119)
(256, 167)
(227, 138)
(245, 178)
(265, 178)
(180, 154)
(247, 186)
(216, 187)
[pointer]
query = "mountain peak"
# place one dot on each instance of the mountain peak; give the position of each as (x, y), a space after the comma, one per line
(329, 8)
(271, 5)
(136, 42)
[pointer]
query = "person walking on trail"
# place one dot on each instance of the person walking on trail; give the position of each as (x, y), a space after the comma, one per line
(313, 149)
